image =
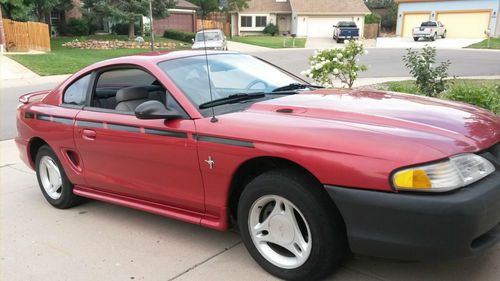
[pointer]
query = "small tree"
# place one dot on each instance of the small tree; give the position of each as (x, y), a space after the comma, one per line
(338, 63)
(430, 79)
(389, 18)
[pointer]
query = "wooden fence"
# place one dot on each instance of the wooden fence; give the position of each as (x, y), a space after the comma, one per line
(25, 36)
(209, 24)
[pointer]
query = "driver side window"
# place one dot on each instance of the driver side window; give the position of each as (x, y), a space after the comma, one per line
(123, 89)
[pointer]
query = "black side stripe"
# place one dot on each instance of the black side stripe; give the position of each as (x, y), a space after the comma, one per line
(89, 124)
(125, 128)
(55, 119)
(43, 117)
(165, 133)
(62, 120)
(29, 115)
(224, 141)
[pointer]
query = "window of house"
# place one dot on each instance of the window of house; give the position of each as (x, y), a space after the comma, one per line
(76, 93)
(260, 21)
(246, 21)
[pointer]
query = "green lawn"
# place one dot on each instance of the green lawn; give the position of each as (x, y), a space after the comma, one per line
(63, 60)
(274, 42)
(494, 44)
(481, 92)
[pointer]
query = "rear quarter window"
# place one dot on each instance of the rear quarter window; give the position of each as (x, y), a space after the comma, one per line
(76, 93)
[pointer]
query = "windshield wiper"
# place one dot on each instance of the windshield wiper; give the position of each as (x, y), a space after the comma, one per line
(295, 86)
(231, 99)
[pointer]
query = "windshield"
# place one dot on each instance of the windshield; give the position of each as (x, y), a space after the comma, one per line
(347, 24)
(429, 23)
(230, 74)
(210, 35)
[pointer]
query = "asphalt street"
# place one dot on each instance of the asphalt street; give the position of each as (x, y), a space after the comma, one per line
(389, 63)
(381, 63)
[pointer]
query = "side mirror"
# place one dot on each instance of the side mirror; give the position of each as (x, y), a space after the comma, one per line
(154, 109)
(192, 40)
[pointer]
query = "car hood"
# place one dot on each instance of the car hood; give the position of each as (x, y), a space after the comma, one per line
(357, 121)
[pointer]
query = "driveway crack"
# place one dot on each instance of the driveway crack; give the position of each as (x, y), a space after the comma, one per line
(204, 261)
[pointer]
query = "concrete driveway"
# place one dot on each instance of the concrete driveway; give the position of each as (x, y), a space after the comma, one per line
(408, 42)
(100, 241)
(322, 43)
(328, 42)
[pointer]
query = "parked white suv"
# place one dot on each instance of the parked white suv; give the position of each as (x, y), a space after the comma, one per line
(215, 40)
(429, 30)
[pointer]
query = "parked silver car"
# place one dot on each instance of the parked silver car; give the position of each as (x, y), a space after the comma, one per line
(429, 30)
(215, 40)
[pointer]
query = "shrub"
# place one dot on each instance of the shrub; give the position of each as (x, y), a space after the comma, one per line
(430, 79)
(390, 17)
(372, 18)
(78, 27)
(339, 63)
(179, 35)
(271, 29)
(122, 29)
(485, 96)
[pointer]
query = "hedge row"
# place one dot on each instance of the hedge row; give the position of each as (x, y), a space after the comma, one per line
(179, 35)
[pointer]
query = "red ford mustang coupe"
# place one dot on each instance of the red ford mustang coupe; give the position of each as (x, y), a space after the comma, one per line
(307, 174)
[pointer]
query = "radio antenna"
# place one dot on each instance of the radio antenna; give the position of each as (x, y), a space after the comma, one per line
(213, 119)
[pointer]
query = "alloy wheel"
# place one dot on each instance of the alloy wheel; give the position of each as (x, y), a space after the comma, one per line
(279, 231)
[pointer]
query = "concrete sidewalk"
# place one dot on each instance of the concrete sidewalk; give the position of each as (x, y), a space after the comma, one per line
(100, 241)
(10, 69)
(245, 48)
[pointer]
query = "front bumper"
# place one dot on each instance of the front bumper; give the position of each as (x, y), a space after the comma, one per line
(410, 226)
(422, 35)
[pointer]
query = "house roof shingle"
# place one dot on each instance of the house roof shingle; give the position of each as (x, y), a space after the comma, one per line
(329, 7)
(183, 4)
(267, 6)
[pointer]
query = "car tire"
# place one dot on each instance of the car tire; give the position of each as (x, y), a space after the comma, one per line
(55, 185)
(434, 37)
(285, 204)
(415, 38)
(444, 35)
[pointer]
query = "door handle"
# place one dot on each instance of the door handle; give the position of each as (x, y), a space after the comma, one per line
(88, 134)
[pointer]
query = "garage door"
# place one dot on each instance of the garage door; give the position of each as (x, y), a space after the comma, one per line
(411, 20)
(323, 26)
(465, 24)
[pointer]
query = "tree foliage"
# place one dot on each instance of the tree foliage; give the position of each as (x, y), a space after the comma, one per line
(128, 11)
(390, 17)
(23, 10)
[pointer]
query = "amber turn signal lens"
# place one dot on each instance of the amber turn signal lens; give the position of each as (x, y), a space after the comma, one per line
(412, 179)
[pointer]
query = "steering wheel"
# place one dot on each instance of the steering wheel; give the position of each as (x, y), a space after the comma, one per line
(255, 82)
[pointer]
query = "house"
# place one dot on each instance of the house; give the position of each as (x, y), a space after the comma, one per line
(182, 17)
(305, 18)
(56, 16)
(462, 18)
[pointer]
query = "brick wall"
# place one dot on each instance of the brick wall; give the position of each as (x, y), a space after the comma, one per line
(75, 12)
(178, 21)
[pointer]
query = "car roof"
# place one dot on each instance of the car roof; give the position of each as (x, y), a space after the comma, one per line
(152, 57)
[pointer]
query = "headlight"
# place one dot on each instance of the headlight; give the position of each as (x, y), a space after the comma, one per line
(456, 172)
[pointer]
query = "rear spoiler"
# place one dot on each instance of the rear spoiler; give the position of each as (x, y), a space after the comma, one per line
(33, 97)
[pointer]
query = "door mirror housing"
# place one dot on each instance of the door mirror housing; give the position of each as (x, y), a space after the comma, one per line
(154, 109)
(192, 40)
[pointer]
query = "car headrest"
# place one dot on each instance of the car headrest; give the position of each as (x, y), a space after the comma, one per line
(132, 93)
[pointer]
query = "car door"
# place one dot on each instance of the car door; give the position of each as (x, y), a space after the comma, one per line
(153, 160)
